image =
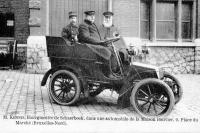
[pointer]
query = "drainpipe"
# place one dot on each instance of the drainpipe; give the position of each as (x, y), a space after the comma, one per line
(110, 2)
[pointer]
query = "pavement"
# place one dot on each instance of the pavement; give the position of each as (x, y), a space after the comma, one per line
(21, 94)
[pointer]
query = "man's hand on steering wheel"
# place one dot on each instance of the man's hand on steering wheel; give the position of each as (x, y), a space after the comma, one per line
(102, 43)
(107, 42)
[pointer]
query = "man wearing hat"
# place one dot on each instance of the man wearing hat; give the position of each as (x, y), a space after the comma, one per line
(89, 34)
(70, 32)
(108, 30)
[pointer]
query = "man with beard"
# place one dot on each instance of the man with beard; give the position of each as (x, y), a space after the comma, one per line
(70, 32)
(107, 31)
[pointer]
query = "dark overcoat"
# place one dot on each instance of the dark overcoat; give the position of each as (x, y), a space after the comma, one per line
(89, 34)
(69, 32)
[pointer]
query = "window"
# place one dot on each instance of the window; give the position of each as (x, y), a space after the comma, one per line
(165, 21)
(159, 20)
(6, 25)
(145, 19)
(186, 20)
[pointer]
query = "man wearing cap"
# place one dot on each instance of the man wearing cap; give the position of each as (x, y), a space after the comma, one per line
(89, 34)
(70, 32)
(109, 30)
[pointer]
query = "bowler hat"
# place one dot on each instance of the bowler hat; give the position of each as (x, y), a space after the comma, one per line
(72, 14)
(89, 12)
(108, 13)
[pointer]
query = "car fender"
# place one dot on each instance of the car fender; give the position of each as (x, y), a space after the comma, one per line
(76, 70)
(45, 77)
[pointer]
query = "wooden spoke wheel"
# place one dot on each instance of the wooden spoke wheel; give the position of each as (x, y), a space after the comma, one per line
(64, 87)
(152, 97)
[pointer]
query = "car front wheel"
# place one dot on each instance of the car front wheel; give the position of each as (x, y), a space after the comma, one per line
(152, 97)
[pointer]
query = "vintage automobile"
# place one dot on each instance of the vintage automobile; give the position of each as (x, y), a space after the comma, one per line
(77, 70)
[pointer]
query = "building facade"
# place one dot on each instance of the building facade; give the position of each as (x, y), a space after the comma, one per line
(14, 20)
(14, 25)
(170, 28)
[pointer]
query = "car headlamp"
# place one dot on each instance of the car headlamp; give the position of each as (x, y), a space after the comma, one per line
(160, 73)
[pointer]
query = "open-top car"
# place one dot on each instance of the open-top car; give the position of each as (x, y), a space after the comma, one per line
(76, 69)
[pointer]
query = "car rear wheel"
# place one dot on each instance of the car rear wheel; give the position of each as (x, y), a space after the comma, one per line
(152, 97)
(64, 87)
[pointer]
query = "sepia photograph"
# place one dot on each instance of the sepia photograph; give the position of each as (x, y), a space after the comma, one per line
(100, 66)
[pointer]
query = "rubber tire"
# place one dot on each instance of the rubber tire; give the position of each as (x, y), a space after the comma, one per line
(77, 83)
(152, 80)
(169, 75)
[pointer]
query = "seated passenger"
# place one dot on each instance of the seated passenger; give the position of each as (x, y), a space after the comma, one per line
(109, 30)
(89, 33)
(70, 32)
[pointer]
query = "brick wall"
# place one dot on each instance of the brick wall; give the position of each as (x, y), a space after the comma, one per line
(21, 11)
(126, 16)
(20, 8)
(4, 3)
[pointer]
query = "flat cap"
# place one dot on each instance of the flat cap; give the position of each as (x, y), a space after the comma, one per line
(89, 12)
(72, 14)
(108, 13)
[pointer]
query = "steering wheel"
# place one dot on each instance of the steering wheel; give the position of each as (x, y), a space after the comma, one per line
(111, 40)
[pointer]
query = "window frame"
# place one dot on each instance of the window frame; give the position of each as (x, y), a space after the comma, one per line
(188, 21)
(167, 20)
(178, 24)
(147, 20)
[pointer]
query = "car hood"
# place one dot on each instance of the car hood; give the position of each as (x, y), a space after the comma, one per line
(146, 70)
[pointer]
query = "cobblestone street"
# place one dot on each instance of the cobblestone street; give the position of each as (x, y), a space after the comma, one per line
(21, 94)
